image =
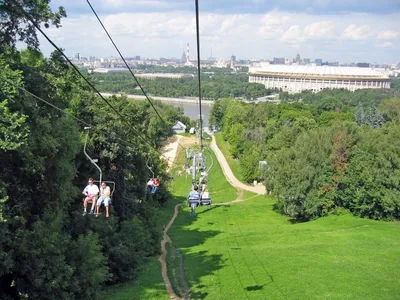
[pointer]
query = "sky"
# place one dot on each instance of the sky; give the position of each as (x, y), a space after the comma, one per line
(333, 30)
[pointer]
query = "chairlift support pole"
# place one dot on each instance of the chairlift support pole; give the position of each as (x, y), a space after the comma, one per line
(87, 155)
(194, 171)
(198, 70)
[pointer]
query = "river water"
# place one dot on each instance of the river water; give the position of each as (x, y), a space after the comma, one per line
(192, 111)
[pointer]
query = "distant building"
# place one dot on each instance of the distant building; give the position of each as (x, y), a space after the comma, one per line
(183, 59)
(294, 79)
(233, 58)
(279, 61)
(77, 56)
(362, 65)
(298, 58)
(318, 61)
(179, 127)
(306, 61)
(144, 75)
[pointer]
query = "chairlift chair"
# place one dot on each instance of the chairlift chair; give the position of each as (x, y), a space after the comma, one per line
(112, 183)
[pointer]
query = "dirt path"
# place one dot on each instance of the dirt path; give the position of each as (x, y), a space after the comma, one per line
(171, 150)
(162, 259)
(226, 169)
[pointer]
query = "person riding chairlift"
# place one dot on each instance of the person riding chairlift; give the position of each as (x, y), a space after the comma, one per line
(153, 184)
(193, 198)
(156, 184)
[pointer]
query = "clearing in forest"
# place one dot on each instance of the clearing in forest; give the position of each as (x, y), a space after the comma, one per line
(247, 250)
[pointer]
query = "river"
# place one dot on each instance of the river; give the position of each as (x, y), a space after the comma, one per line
(190, 106)
(192, 111)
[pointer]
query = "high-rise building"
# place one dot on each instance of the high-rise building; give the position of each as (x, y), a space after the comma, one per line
(183, 59)
(77, 56)
(233, 58)
(363, 65)
(298, 58)
(279, 61)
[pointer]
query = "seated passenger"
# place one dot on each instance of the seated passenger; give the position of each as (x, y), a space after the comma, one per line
(91, 192)
(104, 197)
(193, 195)
(150, 184)
(156, 184)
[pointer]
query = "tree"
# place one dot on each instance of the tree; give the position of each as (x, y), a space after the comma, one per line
(374, 118)
(14, 26)
(370, 185)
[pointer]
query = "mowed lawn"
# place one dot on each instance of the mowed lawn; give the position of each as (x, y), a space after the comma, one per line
(248, 251)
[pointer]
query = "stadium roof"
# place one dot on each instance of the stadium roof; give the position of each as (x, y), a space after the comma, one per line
(317, 71)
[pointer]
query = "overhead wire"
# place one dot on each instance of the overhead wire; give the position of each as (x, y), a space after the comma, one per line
(198, 70)
(83, 77)
(78, 119)
(126, 64)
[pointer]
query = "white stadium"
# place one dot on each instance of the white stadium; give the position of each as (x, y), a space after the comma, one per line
(294, 79)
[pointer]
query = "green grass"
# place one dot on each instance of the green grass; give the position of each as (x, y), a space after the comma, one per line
(149, 285)
(233, 163)
(248, 251)
(219, 187)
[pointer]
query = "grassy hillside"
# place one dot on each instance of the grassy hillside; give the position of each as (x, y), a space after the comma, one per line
(233, 163)
(248, 251)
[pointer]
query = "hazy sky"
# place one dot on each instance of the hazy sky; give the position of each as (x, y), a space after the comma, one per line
(334, 30)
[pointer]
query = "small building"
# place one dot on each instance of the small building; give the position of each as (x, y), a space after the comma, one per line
(179, 127)
(192, 130)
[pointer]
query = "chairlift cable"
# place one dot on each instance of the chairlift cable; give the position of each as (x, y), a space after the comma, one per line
(80, 120)
(198, 70)
(126, 64)
(52, 105)
(81, 75)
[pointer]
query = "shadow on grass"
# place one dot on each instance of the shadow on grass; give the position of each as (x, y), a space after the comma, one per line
(197, 264)
(254, 288)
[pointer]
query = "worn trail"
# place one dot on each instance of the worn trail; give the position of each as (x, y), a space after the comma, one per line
(166, 239)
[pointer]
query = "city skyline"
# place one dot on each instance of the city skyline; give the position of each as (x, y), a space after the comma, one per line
(346, 31)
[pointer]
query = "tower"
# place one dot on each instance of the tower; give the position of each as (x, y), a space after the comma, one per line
(187, 53)
(183, 59)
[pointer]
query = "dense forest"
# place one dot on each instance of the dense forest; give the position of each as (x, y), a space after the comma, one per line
(328, 151)
(213, 86)
(48, 250)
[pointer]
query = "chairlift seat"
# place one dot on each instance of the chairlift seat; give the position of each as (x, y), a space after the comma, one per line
(194, 201)
(205, 199)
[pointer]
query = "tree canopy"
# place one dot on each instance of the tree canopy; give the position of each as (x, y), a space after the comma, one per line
(335, 149)
(47, 249)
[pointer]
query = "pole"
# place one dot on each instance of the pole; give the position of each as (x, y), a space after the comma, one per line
(198, 70)
(194, 171)
(91, 160)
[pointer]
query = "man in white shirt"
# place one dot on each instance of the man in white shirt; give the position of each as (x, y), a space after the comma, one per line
(104, 197)
(194, 200)
(91, 191)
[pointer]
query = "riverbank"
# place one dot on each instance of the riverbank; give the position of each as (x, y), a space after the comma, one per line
(166, 99)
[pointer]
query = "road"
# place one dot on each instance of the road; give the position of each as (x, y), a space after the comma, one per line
(226, 169)
(166, 99)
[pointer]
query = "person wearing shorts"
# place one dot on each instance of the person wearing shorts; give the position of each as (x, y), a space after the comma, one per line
(91, 191)
(104, 197)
